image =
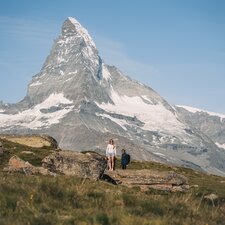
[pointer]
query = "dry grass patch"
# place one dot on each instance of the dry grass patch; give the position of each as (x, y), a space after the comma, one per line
(31, 141)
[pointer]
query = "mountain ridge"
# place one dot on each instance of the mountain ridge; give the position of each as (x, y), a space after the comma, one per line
(210, 123)
(82, 102)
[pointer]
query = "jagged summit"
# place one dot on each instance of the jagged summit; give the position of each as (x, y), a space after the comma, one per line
(72, 63)
(74, 42)
(72, 27)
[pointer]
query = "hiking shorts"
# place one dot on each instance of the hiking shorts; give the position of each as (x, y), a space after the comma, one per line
(110, 154)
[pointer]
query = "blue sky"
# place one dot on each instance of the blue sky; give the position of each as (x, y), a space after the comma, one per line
(177, 47)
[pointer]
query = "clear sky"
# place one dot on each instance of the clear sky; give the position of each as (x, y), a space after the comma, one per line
(177, 47)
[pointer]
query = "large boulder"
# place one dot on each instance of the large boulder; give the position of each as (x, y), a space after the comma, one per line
(85, 165)
(145, 179)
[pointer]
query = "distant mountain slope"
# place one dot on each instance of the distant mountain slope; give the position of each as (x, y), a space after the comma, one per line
(210, 123)
(82, 102)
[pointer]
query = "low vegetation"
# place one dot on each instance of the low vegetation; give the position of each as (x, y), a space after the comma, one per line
(67, 200)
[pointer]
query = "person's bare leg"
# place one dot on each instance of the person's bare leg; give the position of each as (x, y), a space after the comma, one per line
(113, 160)
(110, 163)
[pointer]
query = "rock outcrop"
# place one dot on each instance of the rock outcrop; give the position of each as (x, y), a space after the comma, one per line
(86, 165)
(212, 198)
(145, 179)
(18, 165)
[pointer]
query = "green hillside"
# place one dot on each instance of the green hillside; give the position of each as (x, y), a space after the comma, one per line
(67, 200)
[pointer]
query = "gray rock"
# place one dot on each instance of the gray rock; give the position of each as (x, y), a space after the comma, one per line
(213, 198)
(17, 165)
(28, 153)
(85, 165)
(145, 179)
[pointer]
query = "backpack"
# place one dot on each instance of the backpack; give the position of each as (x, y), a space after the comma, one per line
(128, 158)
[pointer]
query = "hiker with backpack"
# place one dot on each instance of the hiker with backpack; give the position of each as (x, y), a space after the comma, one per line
(111, 154)
(125, 159)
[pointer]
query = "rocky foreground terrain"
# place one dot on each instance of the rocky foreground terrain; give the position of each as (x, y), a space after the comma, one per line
(87, 164)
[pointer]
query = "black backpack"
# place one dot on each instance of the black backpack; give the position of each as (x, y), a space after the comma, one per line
(128, 158)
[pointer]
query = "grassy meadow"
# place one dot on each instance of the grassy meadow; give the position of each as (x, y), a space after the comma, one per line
(67, 200)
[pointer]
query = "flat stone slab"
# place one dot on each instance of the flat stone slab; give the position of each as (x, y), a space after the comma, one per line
(145, 179)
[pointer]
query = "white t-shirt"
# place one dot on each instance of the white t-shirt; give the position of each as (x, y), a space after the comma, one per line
(111, 149)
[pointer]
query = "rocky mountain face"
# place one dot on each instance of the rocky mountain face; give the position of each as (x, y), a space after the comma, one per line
(82, 102)
(210, 123)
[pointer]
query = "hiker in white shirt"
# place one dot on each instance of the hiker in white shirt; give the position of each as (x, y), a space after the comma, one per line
(111, 154)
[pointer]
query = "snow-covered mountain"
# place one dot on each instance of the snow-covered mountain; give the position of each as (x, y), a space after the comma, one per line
(210, 123)
(82, 102)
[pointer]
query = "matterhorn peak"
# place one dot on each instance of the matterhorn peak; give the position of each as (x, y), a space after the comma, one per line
(73, 46)
(72, 27)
